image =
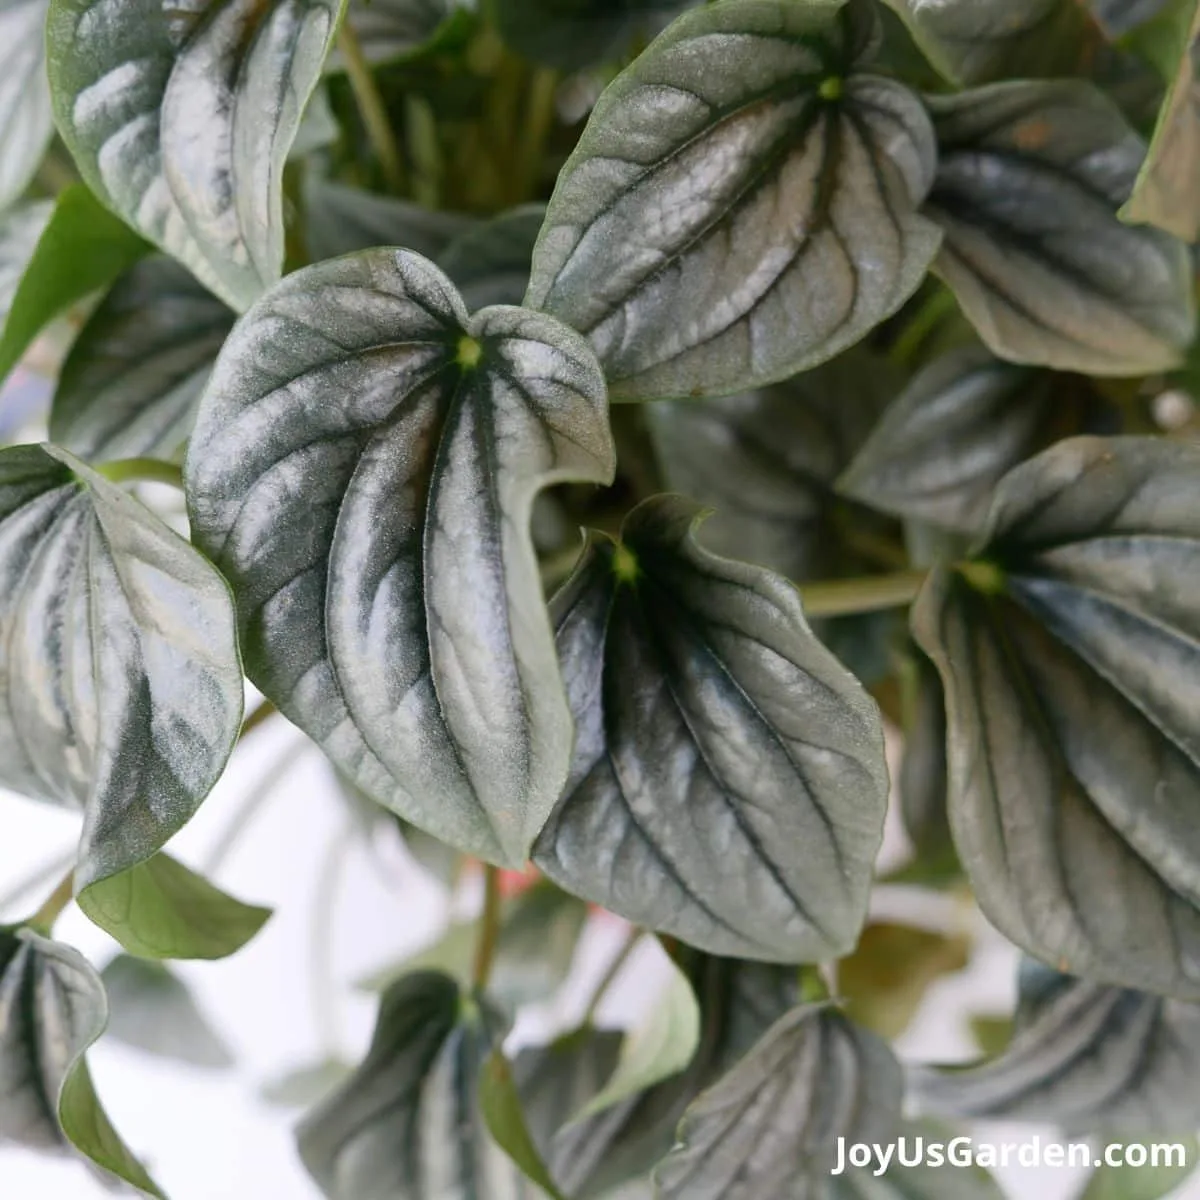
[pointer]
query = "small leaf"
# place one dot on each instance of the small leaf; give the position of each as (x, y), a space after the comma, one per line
(1084, 1057)
(1068, 655)
(391, 604)
(1089, 294)
(26, 122)
(152, 1009)
(728, 786)
(490, 262)
(160, 909)
(307, 1086)
(101, 600)
(164, 108)
(789, 180)
(1165, 193)
(771, 1126)
(501, 1107)
(52, 1008)
(130, 384)
(1152, 1182)
(407, 1125)
(81, 249)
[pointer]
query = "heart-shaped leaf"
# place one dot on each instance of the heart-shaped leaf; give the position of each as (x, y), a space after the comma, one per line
(26, 122)
(490, 262)
(728, 785)
(130, 384)
(1085, 1057)
(362, 470)
(407, 1124)
(771, 1125)
(123, 689)
(1089, 294)
(152, 1009)
(1165, 191)
(1070, 663)
(181, 118)
(742, 203)
(52, 1008)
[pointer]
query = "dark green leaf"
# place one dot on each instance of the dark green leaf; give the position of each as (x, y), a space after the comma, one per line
(307, 1086)
(571, 34)
(20, 230)
(52, 1008)
(152, 1009)
(1166, 192)
(728, 785)
(1084, 1057)
(770, 1127)
(81, 249)
(742, 204)
(1084, 293)
(180, 119)
(123, 693)
(341, 220)
(26, 122)
(1070, 678)
(500, 1104)
(923, 772)
(1142, 1183)
(490, 262)
(946, 440)
(407, 1125)
(160, 909)
(130, 384)
(362, 470)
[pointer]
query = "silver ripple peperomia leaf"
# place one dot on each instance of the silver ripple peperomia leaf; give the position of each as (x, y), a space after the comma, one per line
(1084, 1057)
(52, 1008)
(26, 122)
(1085, 293)
(728, 785)
(121, 686)
(1070, 656)
(742, 204)
(180, 118)
(407, 1124)
(362, 470)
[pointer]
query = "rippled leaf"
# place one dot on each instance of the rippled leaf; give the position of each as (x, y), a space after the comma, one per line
(181, 118)
(1068, 656)
(1085, 293)
(26, 122)
(742, 203)
(362, 470)
(407, 1124)
(152, 1009)
(102, 600)
(1085, 1057)
(728, 785)
(770, 1126)
(490, 262)
(52, 1008)
(130, 384)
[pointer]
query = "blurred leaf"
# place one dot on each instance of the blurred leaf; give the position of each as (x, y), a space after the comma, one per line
(501, 1107)
(1142, 1183)
(991, 1034)
(26, 122)
(305, 1087)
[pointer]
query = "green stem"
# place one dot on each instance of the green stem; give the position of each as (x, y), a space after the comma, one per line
(371, 108)
(425, 151)
(325, 898)
(924, 322)
(489, 928)
(258, 716)
(43, 920)
(43, 874)
(609, 977)
(842, 597)
(142, 470)
(539, 121)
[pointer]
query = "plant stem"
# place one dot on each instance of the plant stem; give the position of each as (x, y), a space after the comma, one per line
(924, 323)
(539, 121)
(842, 597)
(47, 871)
(371, 108)
(260, 714)
(489, 927)
(609, 977)
(43, 920)
(325, 898)
(142, 470)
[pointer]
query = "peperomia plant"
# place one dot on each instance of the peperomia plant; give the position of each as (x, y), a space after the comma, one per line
(860, 341)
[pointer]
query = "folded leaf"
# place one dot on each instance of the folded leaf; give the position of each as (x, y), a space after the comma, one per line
(362, 470)
(164, 108)
(130, 384)
(742, 203)
(123, 688)
(1028, 185)
(52, 1008)
(1070, 661)
(26, 122)
(728, 785)
(1084, 1057)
